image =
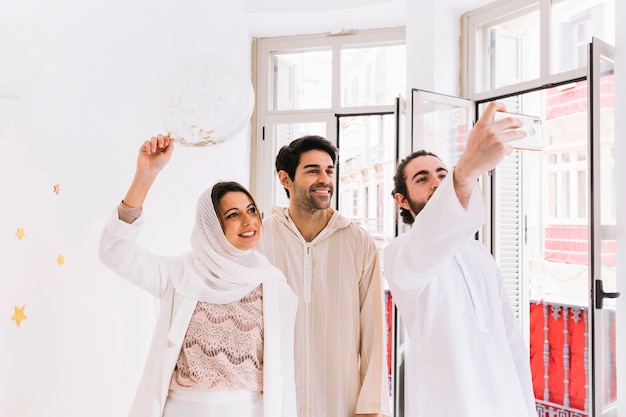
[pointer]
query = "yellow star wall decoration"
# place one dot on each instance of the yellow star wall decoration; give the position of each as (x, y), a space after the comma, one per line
(20, 233)
(19, 315)
(61, 259)
(56, 189)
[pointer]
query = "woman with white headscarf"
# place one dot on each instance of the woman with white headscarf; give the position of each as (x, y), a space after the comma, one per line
(223, 341)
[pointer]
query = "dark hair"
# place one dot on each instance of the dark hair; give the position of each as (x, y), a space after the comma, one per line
(399, 182)
(288, 156)
(221, 188)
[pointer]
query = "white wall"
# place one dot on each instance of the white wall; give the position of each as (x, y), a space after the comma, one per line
(80, 350)
(304, 17)
(432, 35)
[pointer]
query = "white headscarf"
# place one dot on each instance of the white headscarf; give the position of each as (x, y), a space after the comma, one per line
(215, 270)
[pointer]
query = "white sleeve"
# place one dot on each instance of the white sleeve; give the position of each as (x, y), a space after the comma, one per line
(119, 251)
(437, 233)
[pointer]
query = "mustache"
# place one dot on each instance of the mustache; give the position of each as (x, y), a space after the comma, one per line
(321, 187)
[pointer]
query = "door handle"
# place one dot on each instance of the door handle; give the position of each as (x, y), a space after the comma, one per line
(600, 295)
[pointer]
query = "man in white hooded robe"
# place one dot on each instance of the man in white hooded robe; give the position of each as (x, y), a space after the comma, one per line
(466, 354)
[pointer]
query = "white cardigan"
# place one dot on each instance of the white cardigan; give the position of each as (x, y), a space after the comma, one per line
(119, 251)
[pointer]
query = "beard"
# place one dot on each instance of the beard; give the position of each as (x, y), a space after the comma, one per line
(416, 206)
(310, 202)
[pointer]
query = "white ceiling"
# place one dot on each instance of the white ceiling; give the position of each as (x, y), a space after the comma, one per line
(300, 6)
(267, 18)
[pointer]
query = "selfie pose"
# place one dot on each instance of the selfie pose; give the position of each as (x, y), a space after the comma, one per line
(466, 356)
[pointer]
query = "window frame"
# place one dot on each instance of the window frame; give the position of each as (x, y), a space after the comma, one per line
(497, 12)
(262, 152)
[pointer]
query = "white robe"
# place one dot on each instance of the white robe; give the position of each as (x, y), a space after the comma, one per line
(466, 354)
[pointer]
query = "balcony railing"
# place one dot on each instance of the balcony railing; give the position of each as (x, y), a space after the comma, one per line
(547, 409)
(559, 357)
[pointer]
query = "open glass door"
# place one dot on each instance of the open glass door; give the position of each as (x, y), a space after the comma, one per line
(441, 124)
(603, 228)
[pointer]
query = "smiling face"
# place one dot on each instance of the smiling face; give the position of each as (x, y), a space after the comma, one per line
(423, 175)
(240, 220)
(314, 181)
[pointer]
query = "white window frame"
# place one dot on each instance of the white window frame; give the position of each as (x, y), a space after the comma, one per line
(262, 153)
(471, 47)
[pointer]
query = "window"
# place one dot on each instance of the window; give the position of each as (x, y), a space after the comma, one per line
(380, 206)
(568, 202)
(573, 24)
(505, 44)
(301, 80)
(304, 82)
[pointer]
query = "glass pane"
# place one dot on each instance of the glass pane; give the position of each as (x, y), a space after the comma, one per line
(301, 80)
(606, 236)
(574, 23)
(366, 163)
(557, 179)
(372, 76)
(513, 52)
(441, 125)
(283, 134)
(553, 244)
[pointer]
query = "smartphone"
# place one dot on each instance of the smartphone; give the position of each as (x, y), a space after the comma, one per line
(533, 127)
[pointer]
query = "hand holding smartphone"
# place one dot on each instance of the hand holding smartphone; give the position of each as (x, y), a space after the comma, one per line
(533, 127)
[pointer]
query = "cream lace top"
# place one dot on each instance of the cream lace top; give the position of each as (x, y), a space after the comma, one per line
(223, 346)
